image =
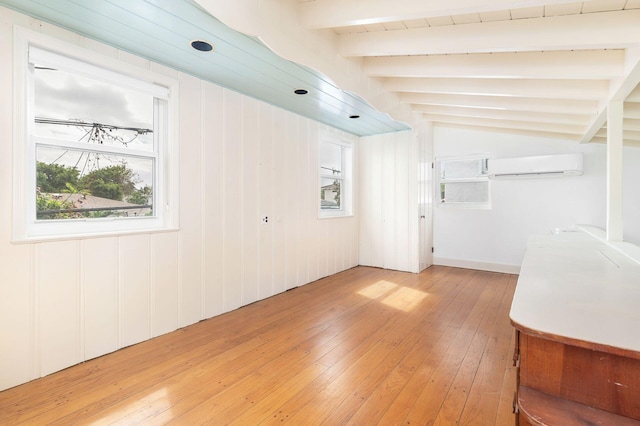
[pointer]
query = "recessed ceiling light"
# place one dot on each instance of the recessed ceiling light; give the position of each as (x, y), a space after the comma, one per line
(354, 116)
(202, 46)
(301, 91)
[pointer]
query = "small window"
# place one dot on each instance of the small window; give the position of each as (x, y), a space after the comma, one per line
(464, 182)
(97, 150)
(335, 178)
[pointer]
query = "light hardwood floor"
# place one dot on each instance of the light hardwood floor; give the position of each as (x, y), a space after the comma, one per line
(363, 347)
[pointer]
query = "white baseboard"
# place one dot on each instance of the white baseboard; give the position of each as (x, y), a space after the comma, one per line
(482, 266)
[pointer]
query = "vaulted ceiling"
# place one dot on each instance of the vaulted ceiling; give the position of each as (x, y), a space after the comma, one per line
(537, 67)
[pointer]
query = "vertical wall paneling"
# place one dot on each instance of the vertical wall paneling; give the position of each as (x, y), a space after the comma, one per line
(376, 226)
(266, 190)
(57, 32)
(133, 59)
(291, 215)
(425, 198)
(191, 196)
(402, 208)
(18, 362)
(388, 177)
(364, 201)
(252, 167)
(135, 289)
(164, 283)
(413, 203)
(304, 214)
(59, 305)
(323, 246)
(213, 199)
(18, 324)
(316, 240)
(389, 203)
(231, 200)
(66, 301)
(278, 159)
(99, 284)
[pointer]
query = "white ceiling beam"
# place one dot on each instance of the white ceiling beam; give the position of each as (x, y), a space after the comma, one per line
(578, 32)
(507, 124)
(634, 96)
(626, 142)
(624, 88)
(575, 65)
(632, 110)
(526, 132)
(588, 107)
(542, 117)
(631, 124)
(559, 89)
(339, 13)
(632, 135)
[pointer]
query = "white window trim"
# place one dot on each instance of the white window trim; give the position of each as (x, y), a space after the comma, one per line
(459, 205)
(346, 189)
(25, 228)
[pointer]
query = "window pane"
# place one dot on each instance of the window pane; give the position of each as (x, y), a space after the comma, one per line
(84, 184)
(71, 107)
(464, 192)
(330, 194)
(460, 169)
(331, 159)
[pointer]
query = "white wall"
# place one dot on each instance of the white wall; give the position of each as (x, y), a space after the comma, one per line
(389, 205)
(631, 195)
(495, 239)
(65, 302)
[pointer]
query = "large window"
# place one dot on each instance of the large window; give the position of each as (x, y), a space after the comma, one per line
(463, 182)
(97, 149)
(336, 161)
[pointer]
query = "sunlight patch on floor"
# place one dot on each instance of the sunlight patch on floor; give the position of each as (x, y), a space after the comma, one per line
(376, 290)
(140, 410)
(404, 298)
(398, 297)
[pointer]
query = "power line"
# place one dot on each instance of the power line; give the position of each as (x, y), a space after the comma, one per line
(59, 122)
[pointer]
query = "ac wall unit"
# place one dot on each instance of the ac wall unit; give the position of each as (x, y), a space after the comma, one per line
(536, 167)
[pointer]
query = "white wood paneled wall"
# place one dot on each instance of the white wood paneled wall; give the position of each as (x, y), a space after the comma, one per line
(389, 234)
(240, 159)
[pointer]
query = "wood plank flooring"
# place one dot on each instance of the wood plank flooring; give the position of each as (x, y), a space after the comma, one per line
(363, 347)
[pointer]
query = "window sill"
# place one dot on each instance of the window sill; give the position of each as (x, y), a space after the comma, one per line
(89, 235)
(335, 216)
(465, 206)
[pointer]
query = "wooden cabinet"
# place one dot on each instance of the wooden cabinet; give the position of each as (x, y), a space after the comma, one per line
(576, 311)
(563, 384)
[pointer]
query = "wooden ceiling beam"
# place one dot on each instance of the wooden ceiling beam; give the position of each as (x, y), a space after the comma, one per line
(622, 89)
(605, 30)
(339, 13)
(574, 65)
(542, 117)
(512, 131)
(588, 107)
(550, 89)
(574, 130)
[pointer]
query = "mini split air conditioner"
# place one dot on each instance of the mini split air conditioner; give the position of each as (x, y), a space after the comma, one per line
(536, 167)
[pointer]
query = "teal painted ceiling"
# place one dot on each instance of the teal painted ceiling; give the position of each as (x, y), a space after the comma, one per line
(162, 30)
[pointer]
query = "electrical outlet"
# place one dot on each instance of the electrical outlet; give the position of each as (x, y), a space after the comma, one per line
(265, 220)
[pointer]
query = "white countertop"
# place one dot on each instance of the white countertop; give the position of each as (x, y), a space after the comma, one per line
(577, 286)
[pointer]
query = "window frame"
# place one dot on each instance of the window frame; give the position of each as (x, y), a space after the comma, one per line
(26, 227)
(486, 205)
(346, 178)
